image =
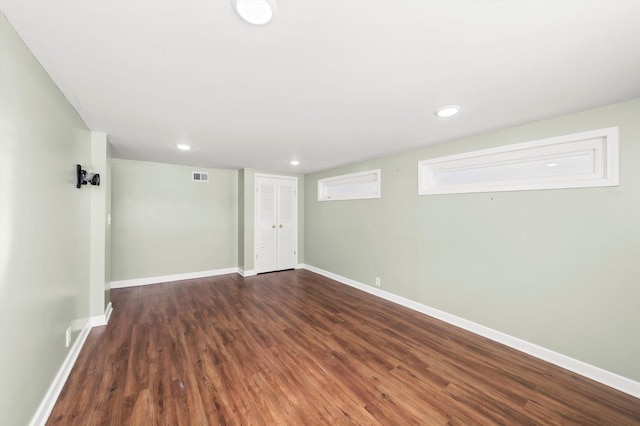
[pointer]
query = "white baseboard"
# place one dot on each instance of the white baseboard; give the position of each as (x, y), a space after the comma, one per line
(100, 320)
(107, 313)
(47, 404)
(50, 398)
(598, 374)
(247, 273)
(168, 278)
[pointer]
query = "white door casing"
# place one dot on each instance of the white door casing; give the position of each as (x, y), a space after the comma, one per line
(276, 223)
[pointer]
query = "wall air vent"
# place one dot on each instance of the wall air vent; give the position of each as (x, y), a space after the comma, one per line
(200, 176)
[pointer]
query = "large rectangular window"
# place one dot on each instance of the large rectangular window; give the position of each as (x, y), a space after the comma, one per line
(354, 186)
(587, 159)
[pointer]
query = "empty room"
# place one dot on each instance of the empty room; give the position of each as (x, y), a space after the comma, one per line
(279, 212)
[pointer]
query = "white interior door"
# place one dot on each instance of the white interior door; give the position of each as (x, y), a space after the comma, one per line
(276, 223)
(266, 231)
(287, 224)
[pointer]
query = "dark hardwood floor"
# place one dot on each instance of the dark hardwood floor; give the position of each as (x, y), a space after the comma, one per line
(297, 348)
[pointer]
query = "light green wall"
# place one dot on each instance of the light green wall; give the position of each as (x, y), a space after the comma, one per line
(559, 268)
(241, 219)
(248, 191)
(44, 228)
(165, 224)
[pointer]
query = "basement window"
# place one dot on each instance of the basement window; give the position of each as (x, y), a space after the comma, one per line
(580, 160)
(354, 186)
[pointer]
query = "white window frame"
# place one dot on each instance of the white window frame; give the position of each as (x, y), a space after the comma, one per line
(324, 184)
(601, 145)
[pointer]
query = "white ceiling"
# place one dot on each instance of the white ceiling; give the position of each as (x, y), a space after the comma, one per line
(328, 82)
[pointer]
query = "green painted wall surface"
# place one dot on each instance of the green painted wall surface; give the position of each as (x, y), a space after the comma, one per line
(241, 219)
(558, 268)
(249, 176)
(166, 224)
(44, 228)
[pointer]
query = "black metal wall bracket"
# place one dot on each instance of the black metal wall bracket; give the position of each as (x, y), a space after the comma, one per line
(82, 178)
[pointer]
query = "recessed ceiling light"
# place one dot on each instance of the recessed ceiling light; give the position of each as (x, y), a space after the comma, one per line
(257, 12)
(447, 111)
(294, 162)
(183, 146)
(552, 164)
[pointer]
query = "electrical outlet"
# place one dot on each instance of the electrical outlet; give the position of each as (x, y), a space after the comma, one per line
(378, 281)
(67, 338)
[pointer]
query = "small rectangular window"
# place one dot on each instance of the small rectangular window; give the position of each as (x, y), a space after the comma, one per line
(354, 186)
(587, 159)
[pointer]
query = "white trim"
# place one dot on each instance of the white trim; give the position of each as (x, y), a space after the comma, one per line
(100, 320)
(50, 398)
(347, 181)
(580, 160)
(168, 278)
(107, 313)
(598, 374)
(247, 273)
(275, 176)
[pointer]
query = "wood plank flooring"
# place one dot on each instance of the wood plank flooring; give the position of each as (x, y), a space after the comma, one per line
(295, 348)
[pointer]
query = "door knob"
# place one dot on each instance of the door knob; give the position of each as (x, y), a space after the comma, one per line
(280, 225)
(273, 226)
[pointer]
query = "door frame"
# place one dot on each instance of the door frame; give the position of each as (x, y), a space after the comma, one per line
(256, 216)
